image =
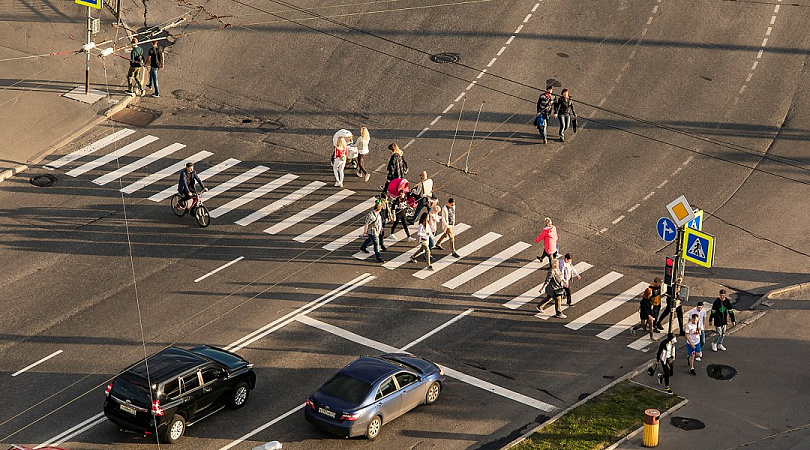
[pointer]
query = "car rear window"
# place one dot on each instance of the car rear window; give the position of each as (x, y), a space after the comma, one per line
(126, 390)
(346, 388)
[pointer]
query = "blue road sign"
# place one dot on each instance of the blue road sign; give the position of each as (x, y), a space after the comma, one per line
(698, 247)
(90, 3)
(666, 229)
(697, 222)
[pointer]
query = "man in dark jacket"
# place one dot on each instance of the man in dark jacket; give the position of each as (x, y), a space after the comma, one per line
(545, 108)
(720, 314)
(155, 61)
(187, 185)
(135, 67)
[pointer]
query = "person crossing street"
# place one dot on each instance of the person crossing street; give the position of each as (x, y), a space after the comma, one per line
(372, 229)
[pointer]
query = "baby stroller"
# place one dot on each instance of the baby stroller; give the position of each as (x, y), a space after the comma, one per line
(351, 156)
(401, 184)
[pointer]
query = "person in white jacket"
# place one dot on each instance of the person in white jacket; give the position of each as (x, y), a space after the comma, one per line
(425, 234)
(449, 221)
(568, 273)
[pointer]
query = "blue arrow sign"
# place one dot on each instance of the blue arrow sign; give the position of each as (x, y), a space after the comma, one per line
(666, 229)
(90, 3)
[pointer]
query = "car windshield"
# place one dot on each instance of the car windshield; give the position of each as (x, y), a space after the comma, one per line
(346, 388)
(127, 390)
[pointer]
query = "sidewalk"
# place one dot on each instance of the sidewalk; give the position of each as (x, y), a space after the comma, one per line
(765, 404)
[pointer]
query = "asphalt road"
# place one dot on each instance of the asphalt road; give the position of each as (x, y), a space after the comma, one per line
(670, 102)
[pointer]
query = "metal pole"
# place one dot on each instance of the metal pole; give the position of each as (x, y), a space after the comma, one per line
(467, 161)
(677, 275)
(456, 133)
(87, 64)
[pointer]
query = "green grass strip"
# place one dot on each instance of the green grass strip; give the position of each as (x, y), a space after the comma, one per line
(602, 420)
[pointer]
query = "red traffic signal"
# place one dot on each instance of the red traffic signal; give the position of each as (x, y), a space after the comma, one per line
(668, 268)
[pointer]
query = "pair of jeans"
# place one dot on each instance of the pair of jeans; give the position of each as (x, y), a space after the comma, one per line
(374, 240)
(565, 122)
(721, 334)
(419, 205)
(153, 80)
(337, 167)
(361, 164)
(542, 129)
(404, 221)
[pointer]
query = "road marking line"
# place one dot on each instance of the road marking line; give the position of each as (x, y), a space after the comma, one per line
(529, 16)
(655, 9)
(481, 74)
(500, 52)
(483, 267)
(263, 427)
(305, 309)
(644, 32)
(36, 363)
(646, 197)
(742, 89)
(663, 183)
(649, 20)
(90, 148)
(406, 146)
(72, 431)
(471, 85)
(281, 203)
(161, 174)
(518, 29)
(676, 171)
(618, 219)
(606, 307)
(759, 54)
(748, 78)
(633, 208)
(98, 162)
(764, 42)
(226, 265)
(346, 239)
(204, 175)
(235, 181)
(491, 62)
(435, 120)
(405, 257)
(633, 54)
(253, 195)
(515, 276)
(618, 328)
(437, 329)
(754, 66)
(422, 132)
(642, 342)
(776, 9)
(768, 31)
(537, 291)
(535, 7)
(773, 19)
(389, 240)
(462, 252)
(587, 291)
(449, 107)
(511, 38)
(688, 160)
(133, 166)
(310, 211)
(459, 97)
(335, 221)
(379, 346)
(602, 102)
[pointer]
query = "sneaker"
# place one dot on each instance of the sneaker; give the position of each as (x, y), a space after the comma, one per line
(413, 260)
(337, 184)
(455, 255)
(384, 248)
(668, 390)
(368, 175)
(545, 141)
(692, 371)
(633, 333)
(697, 358)
(430, 267)
(439, 247)
(660, 379)
(365, 250)
(359, 175)
(182, 205)
(560, 316)
(540, 258)
(148, 87)
(720, 346)
(714, 347)
(379, 260)
(569, 305)
(411, 238)
(653, 339)
(155, 95)
(538, 307)
(130, 93)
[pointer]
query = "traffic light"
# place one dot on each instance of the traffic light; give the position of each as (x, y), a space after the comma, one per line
(668, 269)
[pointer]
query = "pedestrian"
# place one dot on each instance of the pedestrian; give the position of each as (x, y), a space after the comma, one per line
(397, 167)
(545, 108)
(549, 238)
(434, 221)
(720, 315)
(423, 192)
(666, 356)
(701, 312)
(386, 216)
(645, 314)
(362, 151)
(400, 205)
(135, 85)
(155, 60)
(568, 273)
(673, 300)
(655, 287)
(692, 342)
(339, 163)
(449, 221)
(554, 290)
(371, 229)
(425, 236)
(563, 111)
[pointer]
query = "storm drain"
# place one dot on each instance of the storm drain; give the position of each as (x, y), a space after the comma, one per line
(46, 180)
(685, 423)
(445, 58)
(133, 117)
(721, 372)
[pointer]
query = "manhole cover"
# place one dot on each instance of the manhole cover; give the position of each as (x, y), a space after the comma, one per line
(133, 117)
(46, 180)
(271, 125)
(685, 423)
(721, 372)
(553, 82)
(562, 55)
(445, 58)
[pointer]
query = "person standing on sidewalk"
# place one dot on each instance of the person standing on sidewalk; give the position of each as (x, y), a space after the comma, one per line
(545, 108)
(554, 290)
(692, 342)
(721, 312)
(701, 313)
(362, 151)
(135, 86)
(155, 61)
(449, 220)
(645, 314)
(549, 238)
(563, 111)
(372, 229)
(568, 273)
(341, 150)
(425, 237)
(666, 356)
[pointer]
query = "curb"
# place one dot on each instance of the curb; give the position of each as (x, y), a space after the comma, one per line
(624, 377)
(778, 291)
(641, 428)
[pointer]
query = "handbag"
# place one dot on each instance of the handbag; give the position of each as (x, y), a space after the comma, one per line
(651, 369)
(574, 124)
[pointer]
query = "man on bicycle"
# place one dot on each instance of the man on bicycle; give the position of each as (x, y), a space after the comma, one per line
(186, 187)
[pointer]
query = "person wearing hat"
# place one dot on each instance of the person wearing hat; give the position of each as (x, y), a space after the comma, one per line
(701, 313)
(135, 68)
(545, 108)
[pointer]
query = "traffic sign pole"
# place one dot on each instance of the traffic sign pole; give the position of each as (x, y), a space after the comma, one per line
(87, 64)
(677, 278)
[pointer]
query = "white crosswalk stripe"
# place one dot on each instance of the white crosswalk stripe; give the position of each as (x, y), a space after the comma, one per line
(135, 165)
(643, 342)
(335, 221)
(537, 291)
(618, 328)
(204, 175)
(606, 307)
(308, 212)
(100, 161)
(513, 277)
(280, 203)
(405, 257)
(486, 265)
(235, 181)
(91, 148)
(462, 252)
(389, 240)
(346, 239)
(253, 195)
(174, 169)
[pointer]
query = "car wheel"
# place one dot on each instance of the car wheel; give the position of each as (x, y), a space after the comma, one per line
(373, 428)
(239, 395)
(433, 393)
(176, 428)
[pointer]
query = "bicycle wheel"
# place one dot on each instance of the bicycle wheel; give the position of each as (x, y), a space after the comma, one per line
(176, 209)
(202, 216)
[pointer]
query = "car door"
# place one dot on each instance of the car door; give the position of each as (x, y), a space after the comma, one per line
(191, 391)
(410, 390)
(387, 400)
(212, 386)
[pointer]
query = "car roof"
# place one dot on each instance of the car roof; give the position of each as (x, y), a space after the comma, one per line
(370, 369)
(166, 364)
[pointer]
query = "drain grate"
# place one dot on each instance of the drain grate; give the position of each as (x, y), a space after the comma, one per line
(134, 117)
(445, 58)
(721, 372)
(46, 180)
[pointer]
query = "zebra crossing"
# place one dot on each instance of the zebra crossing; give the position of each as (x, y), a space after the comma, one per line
(597, 301)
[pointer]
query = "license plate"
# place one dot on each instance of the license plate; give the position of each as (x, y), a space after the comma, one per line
(326, 412)
(128, 409)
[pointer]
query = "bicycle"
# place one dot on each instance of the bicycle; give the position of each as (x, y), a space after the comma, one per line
(196, 207)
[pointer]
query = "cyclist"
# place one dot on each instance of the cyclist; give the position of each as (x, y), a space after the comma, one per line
(186, 187)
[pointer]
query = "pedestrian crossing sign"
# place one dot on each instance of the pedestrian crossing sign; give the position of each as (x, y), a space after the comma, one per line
(698, 247)
(91, 3)
(697, 222)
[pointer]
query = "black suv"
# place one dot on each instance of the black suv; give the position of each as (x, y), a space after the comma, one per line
(186, 386)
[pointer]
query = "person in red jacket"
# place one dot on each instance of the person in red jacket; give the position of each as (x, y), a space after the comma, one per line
(549, 238)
